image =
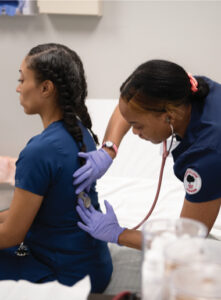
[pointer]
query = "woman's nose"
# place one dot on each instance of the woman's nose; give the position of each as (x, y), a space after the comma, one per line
(18, 90)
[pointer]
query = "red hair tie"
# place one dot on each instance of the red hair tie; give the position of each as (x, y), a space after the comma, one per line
(193, 82)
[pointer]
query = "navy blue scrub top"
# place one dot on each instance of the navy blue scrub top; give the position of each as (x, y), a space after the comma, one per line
(197, 159)
(59, 249)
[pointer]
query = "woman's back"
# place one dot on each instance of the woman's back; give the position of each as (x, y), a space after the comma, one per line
(45, 167)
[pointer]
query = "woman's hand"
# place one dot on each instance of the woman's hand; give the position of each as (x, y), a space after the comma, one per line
(101, 226)
(97, 163)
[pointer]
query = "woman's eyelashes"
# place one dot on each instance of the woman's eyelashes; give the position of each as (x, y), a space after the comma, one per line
(138, 127)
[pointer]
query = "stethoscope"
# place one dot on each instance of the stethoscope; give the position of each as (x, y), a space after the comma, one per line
(164, 157)
(87, 201)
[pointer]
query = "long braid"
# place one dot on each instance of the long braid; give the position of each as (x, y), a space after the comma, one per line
(81, 109)
(56, 63)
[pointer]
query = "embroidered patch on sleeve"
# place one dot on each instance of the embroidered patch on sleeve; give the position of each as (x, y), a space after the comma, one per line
(192, 182)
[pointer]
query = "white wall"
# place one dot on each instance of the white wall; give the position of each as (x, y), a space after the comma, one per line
(129, 32)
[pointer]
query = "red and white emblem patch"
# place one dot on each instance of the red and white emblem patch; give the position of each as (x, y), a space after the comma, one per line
(192, 182)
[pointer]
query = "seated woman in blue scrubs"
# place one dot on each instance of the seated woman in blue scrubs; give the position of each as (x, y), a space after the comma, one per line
(157, 100)
(42, 214)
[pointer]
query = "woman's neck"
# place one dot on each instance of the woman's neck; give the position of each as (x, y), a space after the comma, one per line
(51, 116)
(181, 125)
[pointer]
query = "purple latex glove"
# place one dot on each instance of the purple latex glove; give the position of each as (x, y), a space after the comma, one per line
(97, 163)
(101, 226)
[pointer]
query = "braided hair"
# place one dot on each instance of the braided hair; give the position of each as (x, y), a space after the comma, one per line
(157, 83)
(62, 66)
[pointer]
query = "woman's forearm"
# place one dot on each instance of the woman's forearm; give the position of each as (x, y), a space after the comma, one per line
(3, 215)
(131, 238)
(19, 218)
(9, 237)
(116, 129)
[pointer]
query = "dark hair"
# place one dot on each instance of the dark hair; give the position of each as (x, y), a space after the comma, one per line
(64, 68)
(157, 83)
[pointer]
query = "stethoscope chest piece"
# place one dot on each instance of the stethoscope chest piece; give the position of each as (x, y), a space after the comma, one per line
(86, 199)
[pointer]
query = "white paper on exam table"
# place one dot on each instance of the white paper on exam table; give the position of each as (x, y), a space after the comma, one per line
(25, 290)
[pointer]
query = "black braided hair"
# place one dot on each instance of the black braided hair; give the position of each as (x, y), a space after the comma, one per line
(82, 110)
(156, 83)
(62, 66)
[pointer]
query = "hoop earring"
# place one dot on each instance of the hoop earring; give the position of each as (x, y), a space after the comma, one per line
(168, 120)
(171, 126)
(172, 130)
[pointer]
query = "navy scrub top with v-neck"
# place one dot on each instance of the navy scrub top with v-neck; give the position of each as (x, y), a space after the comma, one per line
(197, 159)
(59, 249)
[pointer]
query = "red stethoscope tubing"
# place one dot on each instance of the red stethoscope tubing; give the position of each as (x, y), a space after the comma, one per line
(164, 157)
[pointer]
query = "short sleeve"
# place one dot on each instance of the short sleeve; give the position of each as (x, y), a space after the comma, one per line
(201, 172)
(37, 168)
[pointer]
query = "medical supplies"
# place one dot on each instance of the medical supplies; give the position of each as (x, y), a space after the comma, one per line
(157, 234)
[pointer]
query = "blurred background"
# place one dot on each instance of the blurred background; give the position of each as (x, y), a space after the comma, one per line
(111, 43)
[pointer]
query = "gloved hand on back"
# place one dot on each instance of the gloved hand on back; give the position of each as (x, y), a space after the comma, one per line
(101, 226)
(97, 163)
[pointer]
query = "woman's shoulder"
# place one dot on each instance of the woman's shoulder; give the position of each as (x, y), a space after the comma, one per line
(54, 139)
(39, 144)
(207, 158)
(214, 86)
(40, 148)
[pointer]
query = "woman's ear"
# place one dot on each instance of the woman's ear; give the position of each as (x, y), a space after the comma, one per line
(171, 114)
(167, 117)
(47, 88)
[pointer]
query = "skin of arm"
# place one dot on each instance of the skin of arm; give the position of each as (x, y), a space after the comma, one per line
(3, 215)
(205, 212)
(19, 218)
(131, 238)
(116, 129)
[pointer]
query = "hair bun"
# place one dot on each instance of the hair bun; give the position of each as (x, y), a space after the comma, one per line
(203, 89)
